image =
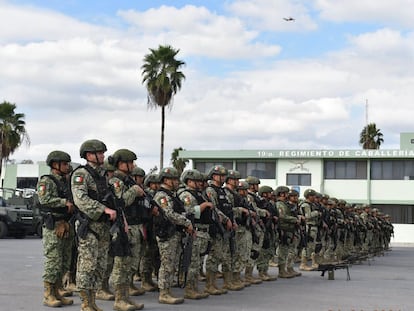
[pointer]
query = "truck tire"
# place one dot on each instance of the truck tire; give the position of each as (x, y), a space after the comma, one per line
(3, 229)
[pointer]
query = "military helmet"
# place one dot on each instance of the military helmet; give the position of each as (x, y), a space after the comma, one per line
(252, 180)
(281, 189)
(217, 170)
(293, 193)
(309, 192)
(151, 178)
(232, 174)
(92, 145)
(57, 156)
(265, 189)
(108, 167)
(243, 185)
(341, 202)
(123, 155)
(169, 172)
(137, 171)
(191, 174)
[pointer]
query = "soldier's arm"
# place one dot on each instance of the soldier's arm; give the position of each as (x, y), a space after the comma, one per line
(166, 204)
(47, 194)
(80, 182)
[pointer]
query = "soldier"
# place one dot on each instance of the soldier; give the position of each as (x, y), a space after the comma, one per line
(271, 236)
(126, 261)
(220, 247)
(57, 235)
(288, 223)
(200, 209)
(169, 225)
(240, 212)
(89, 188)
(261, 213)
(142, 217)
(299, 240)
(104, 292)
(312, 216)
(149, 257)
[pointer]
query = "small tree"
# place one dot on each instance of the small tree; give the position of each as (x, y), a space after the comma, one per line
(178, 163)
(371, 137)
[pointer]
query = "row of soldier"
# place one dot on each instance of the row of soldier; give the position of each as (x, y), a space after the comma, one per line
(129, 224)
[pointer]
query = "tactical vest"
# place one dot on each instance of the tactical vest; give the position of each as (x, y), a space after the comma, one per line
(223, 204)
(206, 214)
(139, 211)
(58, 213)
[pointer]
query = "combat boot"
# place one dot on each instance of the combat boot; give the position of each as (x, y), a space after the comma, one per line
(237, 281)
(304, 264)
(269, 277)
(135, 291)
(49, 296)
(92, 293)
(202, 293)
(104, 293)
(147, 283)
(65, 301)
(120, 303)
(263, 276)
(167, 298)
(315, 264)
(86, 300)
(190, 292)
(283, 274)
(210, 284)
(228, 284)
(292, 271)
(125, 290)
(248, 274)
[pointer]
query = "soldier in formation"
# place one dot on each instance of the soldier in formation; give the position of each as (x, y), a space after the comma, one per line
(128, 223)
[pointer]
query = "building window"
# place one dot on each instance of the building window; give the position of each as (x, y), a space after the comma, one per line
(204, 167)
(262, 170)
(345, 169)
(392, 169)
(26, 182)
(298, 179)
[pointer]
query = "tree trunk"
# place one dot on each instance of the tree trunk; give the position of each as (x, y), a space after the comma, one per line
(162, 137)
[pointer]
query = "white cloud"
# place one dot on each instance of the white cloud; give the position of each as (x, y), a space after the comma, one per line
(396, 12)
(198, 31)
(268, 15)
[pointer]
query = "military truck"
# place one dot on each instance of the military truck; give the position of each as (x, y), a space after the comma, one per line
(17, 216)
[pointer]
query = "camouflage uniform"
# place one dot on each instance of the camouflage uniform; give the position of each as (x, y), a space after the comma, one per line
(169, 245)
(93, 249)
(57, 251)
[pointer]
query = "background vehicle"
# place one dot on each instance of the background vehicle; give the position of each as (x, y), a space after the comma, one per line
(17, 215)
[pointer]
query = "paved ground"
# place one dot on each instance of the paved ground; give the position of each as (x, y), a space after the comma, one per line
(385, 284)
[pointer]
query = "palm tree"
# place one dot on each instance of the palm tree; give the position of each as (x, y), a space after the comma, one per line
(178, 163)
(370, 137)
(12, 130)
(162, 78)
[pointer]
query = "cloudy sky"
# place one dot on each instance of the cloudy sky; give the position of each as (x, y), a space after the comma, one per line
(253, 80)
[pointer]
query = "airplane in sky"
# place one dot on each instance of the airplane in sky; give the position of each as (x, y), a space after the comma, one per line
(289, 19)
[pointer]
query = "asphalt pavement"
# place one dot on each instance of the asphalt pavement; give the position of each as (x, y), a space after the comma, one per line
(384, 283)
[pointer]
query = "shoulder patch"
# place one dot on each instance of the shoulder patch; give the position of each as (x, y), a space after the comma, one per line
(78, 179)
(164, 202)
(187, 200)
(41, 189)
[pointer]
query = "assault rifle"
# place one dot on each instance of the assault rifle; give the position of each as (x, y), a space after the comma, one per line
(185, 260)
(120, 244)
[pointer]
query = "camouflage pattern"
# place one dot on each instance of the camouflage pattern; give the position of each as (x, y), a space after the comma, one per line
(220, 249)
(57, 251)
(93, 250)
(287, 225)
(169, 249)
(129, 265)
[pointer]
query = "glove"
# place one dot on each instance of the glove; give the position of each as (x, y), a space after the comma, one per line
(62, 229)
